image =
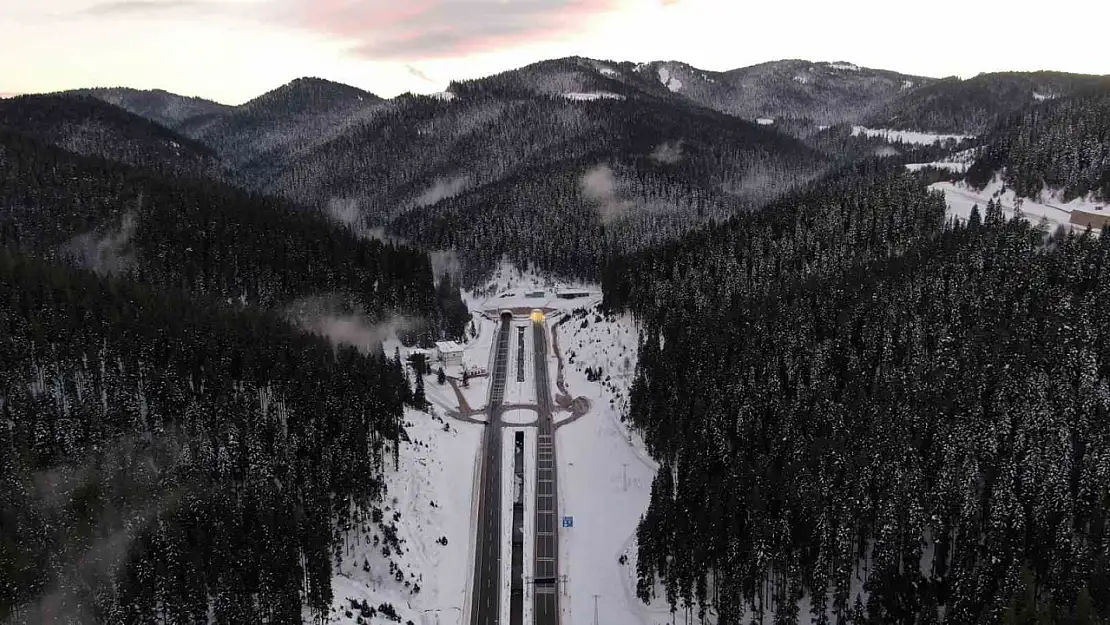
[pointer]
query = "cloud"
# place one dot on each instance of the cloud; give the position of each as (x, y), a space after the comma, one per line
(106, 255)
(386, 30)
(440, 189)
(667, 153)
(599, 185)
(140, 7)
(332, 317)
(418, 74)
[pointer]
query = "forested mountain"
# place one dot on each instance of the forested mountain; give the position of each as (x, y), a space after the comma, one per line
(161, 107)
(840, 390)
(800, 94)
(275, 125)
(974, 105)
(167, 459)
(86, 125)
(205, 237)
(1062, 145)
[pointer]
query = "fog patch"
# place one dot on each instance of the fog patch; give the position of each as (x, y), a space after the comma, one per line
(442, 189)
(886, 150)
(445, 262)
(599, 185)
(344, 324)
(105, 254)
(667, 153)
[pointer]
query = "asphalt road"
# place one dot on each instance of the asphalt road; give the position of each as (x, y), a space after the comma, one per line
(486, 598)
(546, 580)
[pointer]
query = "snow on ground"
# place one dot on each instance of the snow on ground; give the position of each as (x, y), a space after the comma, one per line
(519, 391)
(763, 121)
(950, 166)
(801, 78)
(593, 95)
(669, 81)
(961, 198)
(604, 477)
(446, 96)
(907, 84)
(437, 465)
(608, 71)
(519, 416)
(906, 136)
(852, 67)
(510, 287)
(1041, 97)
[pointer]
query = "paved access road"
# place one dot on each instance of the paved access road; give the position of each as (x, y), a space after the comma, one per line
(486, 595)
(546, 578)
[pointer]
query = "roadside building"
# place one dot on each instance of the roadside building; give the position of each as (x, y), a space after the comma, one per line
(449, 353)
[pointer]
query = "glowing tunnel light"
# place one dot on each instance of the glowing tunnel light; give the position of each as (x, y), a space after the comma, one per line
(537, 316)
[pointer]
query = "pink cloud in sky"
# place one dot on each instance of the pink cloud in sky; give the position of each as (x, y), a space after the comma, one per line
(417, 30)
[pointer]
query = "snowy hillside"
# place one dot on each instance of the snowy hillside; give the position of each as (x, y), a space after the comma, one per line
(401, 563)
(907, 136)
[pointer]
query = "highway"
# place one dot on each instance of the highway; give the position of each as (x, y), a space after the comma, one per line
(546, 578)
(486, 594)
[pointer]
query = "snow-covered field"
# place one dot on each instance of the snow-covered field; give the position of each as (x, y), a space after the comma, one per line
(961, 198)
(950, 166)
(428, 499)
(906, 136)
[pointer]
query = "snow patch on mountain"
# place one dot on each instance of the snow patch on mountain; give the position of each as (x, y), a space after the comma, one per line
(593, 95)
(852, 67)
(802, 79)
(1041, 97)
(608, 71)
(764, 121)
(907, 84)
(669, 81)
(906, 136)
(446, 96)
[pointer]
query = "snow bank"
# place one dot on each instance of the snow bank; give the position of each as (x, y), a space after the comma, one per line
(906, 136)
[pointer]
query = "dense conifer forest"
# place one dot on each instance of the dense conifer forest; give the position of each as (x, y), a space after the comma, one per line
(1062, 144)
(166, 458)
(843, 394)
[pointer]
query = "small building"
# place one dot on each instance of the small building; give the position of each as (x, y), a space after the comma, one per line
(449, 353)
(572, 294)
(534, 294)
(1094, 220)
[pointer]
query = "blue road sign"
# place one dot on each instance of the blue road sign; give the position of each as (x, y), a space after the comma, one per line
(568, 521)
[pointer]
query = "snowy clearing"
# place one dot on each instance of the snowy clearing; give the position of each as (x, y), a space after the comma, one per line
(446, 96)
(608, 71)
(852, 67)
(801, 78)
(763, 121)
(906, 136)
(961, 198)
(593, 95)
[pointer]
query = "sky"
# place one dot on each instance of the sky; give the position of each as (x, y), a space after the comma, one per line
(233, 50)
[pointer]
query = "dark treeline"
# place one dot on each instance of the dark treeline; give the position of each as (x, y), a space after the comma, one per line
(1063, 144)
(975, 105)
(848, 400)
(87, 125)
(167, 459)
(202, 236)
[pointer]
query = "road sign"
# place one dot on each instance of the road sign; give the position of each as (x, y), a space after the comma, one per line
(568, 521)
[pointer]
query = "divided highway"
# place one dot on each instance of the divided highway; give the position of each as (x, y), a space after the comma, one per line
(486, 594)
(545, 580)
